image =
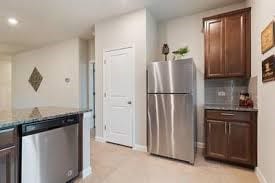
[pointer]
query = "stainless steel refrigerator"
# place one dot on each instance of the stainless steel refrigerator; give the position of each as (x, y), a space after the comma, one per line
(171, 109)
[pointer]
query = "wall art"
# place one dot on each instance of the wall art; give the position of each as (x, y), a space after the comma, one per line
(268, 68)
(267, 38)
(35, 79)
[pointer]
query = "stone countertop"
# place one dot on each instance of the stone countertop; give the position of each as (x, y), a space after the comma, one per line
(14, 117)
(229, 107)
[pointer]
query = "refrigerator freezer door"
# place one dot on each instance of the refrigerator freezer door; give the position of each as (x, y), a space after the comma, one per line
(171, 126)
(171, 77)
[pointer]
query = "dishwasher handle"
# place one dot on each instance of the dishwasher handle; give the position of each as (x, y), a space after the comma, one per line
(45, 125)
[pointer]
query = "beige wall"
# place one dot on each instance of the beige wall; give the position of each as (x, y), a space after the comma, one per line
(83, 54)
(5, 82)
(187, 31)
(91, 51)
(126, 30)
(263, 13)
(151, 38)
(55, 63)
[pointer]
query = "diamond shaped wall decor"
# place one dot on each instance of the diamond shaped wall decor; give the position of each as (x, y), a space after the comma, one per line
(35, 79)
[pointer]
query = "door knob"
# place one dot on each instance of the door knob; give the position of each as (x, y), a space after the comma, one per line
(129, 102)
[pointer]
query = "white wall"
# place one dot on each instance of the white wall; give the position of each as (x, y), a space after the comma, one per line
(5, 82)
(83, 72)
(91, 51)
(55, 63)
(187, 31)
(263, 13)
(151, 38)
(86, 151)
(129, 29)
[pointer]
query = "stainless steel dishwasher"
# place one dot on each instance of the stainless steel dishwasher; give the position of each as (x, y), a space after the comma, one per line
(50, 151)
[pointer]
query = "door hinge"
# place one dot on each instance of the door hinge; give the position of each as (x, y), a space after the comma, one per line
(105, 95)
(105, 127)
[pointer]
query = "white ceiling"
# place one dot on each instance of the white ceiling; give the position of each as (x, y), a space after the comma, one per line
(46, 21)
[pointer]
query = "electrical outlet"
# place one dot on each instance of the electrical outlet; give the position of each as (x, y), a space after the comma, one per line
(221, 93)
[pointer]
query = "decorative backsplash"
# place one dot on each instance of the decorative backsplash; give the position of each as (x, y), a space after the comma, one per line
(225, 91)
(35, 79)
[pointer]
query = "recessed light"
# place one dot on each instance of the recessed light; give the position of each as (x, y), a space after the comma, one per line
(12, 21)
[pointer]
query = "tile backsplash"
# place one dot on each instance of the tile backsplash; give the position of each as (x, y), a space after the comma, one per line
(225, 91)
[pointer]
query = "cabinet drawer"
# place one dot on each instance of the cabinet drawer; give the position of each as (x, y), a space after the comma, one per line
(228, 115)
(7, 137)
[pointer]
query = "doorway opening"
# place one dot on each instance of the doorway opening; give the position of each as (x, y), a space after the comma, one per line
(92, 95)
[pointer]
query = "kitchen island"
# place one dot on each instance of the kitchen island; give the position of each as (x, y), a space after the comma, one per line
(44, 139)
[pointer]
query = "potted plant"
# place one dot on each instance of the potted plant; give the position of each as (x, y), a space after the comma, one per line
(180, 53)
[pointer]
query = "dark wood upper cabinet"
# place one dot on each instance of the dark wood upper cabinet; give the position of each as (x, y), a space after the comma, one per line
(214, 41)
(227, 45)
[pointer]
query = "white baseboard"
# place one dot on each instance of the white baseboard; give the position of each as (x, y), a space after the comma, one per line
(200, 145)
(260, 175)
(86, 172)
(100, 139)
(140, 148)
(136, 146)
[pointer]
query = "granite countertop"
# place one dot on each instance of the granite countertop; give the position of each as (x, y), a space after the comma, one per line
(14, 117)
(229, 107)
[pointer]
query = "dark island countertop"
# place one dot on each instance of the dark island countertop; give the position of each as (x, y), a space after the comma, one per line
(229, 107)
(14, 117)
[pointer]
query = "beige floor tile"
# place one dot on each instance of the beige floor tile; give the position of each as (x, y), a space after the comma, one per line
(117, 164)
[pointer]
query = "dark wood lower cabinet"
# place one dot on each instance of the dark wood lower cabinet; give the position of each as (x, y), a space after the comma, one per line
(8, 165)
(231, 136)
(239, 142)
(217, 139)
(9, 156)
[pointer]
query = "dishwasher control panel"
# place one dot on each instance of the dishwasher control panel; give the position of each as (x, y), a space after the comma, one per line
(39, 126)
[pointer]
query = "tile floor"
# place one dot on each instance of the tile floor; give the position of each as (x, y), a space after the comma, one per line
(117, 164)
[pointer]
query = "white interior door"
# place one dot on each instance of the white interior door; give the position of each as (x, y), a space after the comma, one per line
(119, 96)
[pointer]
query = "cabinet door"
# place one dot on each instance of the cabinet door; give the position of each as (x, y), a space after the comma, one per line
(214, 48)
(8, 173)
(216, 139)
(235, 45)
(240, 142)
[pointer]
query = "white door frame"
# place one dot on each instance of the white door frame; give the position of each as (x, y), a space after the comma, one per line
(91, 90)
(134, 95)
